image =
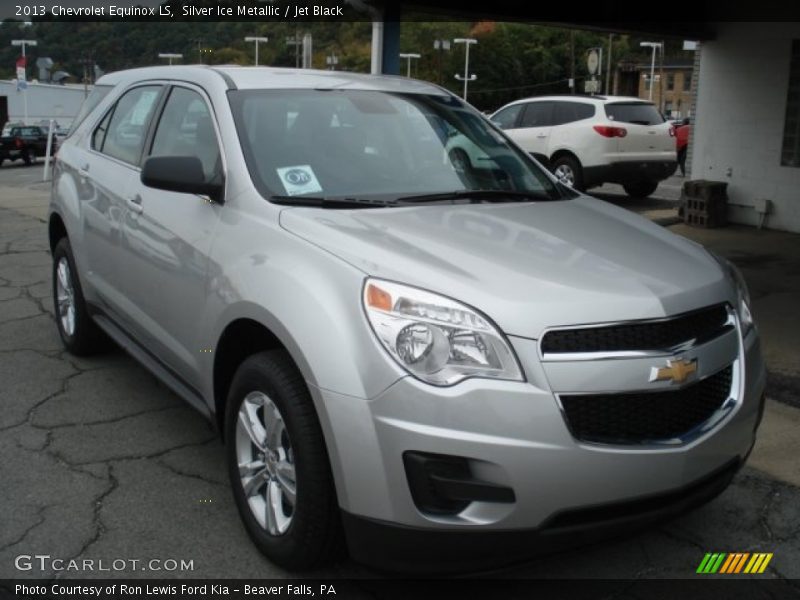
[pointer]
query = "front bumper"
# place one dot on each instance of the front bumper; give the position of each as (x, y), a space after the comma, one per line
(514, 436)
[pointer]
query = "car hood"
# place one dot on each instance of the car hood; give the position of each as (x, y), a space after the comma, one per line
(528, 266)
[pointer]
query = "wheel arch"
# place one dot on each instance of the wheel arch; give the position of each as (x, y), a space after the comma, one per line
(56, 229)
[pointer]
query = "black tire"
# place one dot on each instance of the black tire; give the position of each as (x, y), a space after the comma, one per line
(29, 157)
(86, 338)
(568, 165)
(640, 189)
(314, 534)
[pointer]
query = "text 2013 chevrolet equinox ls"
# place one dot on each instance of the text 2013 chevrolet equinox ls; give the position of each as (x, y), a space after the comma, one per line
(411, 336)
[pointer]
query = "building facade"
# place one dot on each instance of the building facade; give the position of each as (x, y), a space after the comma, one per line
(44, 102)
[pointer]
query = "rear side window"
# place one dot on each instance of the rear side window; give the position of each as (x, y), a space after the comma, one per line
(121, 134)
(92, 100)
(507, 118)
(640, 113)
(569, 112)
(537, 114)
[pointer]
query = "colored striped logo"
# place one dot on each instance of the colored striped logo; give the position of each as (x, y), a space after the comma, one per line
(732, 563)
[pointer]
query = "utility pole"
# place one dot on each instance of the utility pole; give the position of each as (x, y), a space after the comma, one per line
(467, 77)
(440, 46)
(608, 66)
(661, 81)
(22, 82)
(297, 43)
(86, 62)
(572, 59)
(257, 41)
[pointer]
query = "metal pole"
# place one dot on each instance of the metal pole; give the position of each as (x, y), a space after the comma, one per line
(652, 72)
(466, 70)
(608, 66)
(46, 173)
(25, 90)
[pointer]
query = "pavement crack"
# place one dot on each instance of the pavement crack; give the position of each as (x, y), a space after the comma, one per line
(103, 422)
(40, 518)
(97, 522)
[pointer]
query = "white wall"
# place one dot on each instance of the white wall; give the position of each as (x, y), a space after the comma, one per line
(738, 125)
(45, 101)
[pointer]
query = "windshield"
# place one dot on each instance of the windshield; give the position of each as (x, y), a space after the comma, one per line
(634, 112)
(376, 145)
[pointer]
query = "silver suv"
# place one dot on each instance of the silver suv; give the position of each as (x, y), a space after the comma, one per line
(411, 337)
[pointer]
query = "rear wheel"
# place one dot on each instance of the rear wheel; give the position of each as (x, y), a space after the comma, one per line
(568, 171)
(278, 464)
(640, 189)
(29, 157)
(79, 333)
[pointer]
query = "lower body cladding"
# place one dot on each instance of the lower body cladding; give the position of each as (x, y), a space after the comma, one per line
(486, 472)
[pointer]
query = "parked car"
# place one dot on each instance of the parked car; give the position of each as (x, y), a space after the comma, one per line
(402, 351)
(24, 143)
(682, 130)
(591, 140)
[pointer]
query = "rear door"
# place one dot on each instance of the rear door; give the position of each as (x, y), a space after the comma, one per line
(648, 135)
(533, 129)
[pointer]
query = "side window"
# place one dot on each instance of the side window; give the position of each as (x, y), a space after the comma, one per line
(186, 128)
(569, 112)
(507, 118)
(537, 114)
(124, 128)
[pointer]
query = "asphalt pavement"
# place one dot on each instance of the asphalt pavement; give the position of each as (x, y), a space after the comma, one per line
(101, 462)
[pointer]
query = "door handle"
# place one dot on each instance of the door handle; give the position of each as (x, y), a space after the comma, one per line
(541, 136)
(135, 204)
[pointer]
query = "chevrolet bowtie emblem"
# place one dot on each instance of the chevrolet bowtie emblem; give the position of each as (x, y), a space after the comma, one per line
(676, 371)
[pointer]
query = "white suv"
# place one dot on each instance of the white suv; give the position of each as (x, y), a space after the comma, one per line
(591, 140)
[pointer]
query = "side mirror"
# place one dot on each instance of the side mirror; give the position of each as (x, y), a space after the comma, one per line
(179, 174)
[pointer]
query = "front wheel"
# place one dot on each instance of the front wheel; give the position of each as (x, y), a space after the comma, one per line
(278, 464)
(568, 171)
(640, 189)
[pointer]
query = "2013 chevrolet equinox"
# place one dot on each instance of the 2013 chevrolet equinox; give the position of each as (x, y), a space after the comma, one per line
(412, 337)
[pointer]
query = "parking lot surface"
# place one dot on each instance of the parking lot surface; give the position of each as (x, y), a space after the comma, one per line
(102, 462)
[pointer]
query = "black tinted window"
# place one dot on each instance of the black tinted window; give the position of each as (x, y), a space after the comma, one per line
(640, 113)
(569, 112)
(507, 118)
(537, 114)
(123, 136)
(186, 128)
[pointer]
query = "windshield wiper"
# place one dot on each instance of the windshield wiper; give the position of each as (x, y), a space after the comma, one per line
(324, 202)
(477, 195)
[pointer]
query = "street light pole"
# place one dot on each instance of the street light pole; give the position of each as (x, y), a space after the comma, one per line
(24, 43)
(408, 57)
(441, 46)
(257, 41)
(652, 45)
(467, 77)
(296, 42)
(170, 56)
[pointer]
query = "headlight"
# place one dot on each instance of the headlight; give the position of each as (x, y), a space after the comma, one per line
(742, 293)
(434, 338)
